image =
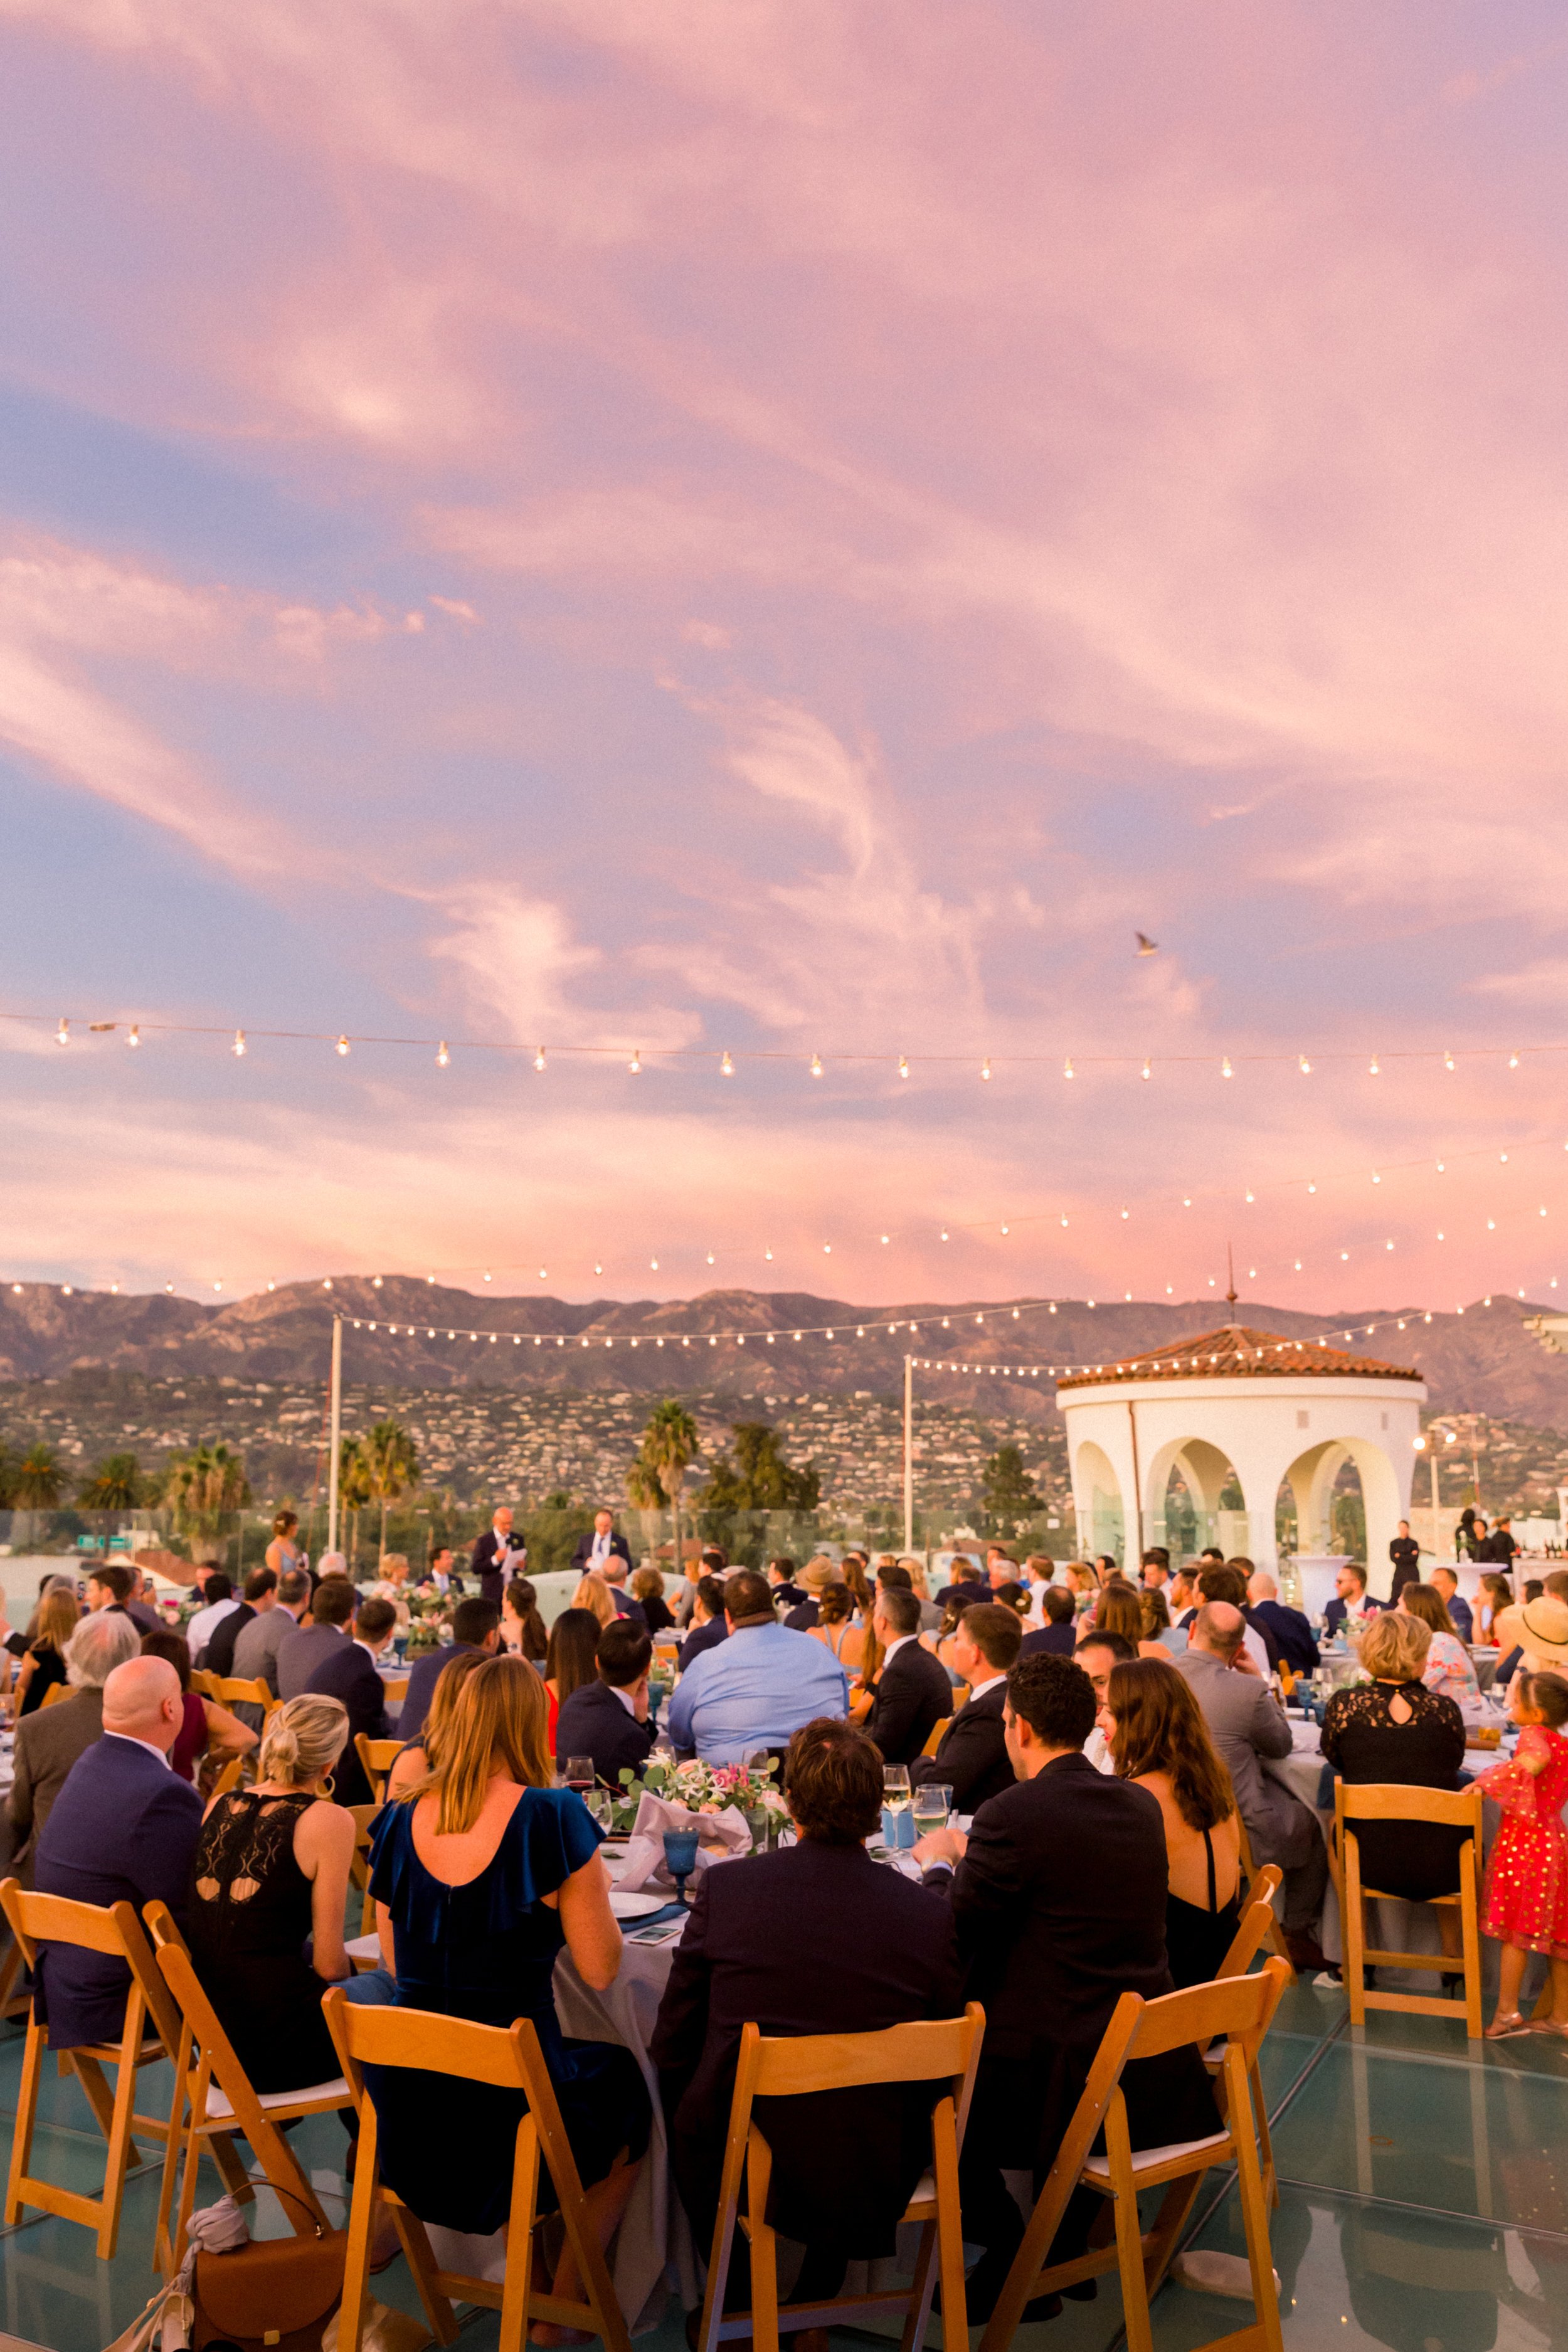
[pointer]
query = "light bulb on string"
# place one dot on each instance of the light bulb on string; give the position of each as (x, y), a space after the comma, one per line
(768, 1257)
(944, 1234)
(903, 1065)
(1513, 1061)
(817, 1065)
(1147, 1072)
(985, 1068)
(538, 1059)
(726, 1067)
(133, 1035)
(443, 1054)
(1373, 1070)
(1502, 1156)
(634, 1064)
(884, 1238)
(1067, 1070)
(1303, 1065)
(487, 1277)
(237, 1048)
(1448, 1061)
(597, 1267)
(63, 1034)
(375, 1281)
(342, 1044)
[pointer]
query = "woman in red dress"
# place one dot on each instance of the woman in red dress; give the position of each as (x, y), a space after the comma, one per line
(1526, 1900)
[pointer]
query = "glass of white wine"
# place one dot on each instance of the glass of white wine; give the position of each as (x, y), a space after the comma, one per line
(932, 1805)
(896, 1799)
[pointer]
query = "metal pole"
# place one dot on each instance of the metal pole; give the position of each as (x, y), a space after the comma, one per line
(908, 1454)
(337, 1418)
(1138, 1482)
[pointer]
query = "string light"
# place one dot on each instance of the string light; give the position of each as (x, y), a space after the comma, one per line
(443, 1054)
(342, 1044)
(817, 1065)
(1067, 1070)
(63, 1034)
(1224, 1070)
(903, 1065)
(237, 1048)
(1373, 1067)
(726, 1067)
(634, 1064)
(133, 1035)
(1303, 1065)
(985, 1069)
(538, 1059)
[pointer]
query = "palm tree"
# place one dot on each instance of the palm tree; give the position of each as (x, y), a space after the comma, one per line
(391, 1463)
(670, 1447)
(203, 1486)
(37, 1483)
(354, 1489)
(114, 1485)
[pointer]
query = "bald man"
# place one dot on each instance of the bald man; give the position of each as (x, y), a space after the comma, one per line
(123, 1828)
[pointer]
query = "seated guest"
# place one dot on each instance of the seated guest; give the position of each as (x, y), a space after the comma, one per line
(707, 1622)
(835, 1625)
(594, 1594)
(758, 1687)
(1292, 1631)
(972, 1758)
(523, 1631)
(220, 1603)
(966, 1586)
(260, 1587)
(1246, 1727)
(44, 1664)
(1448, 1667)
(1496, 1595)
(112, 1585)
(1058, 1637)
(476, 1625)
(271, 1874)
(1352, 1603)
(464, 1869)
(123, 1828)
(615, 1571)
(815, 1575)
(812, 1939)
(1445, 1584)
(1394, 1730)
(913, 1692)
(1224, 1580)
(48, 1743)
(349, 1673)
(1160, 1742)
(608, 1717)
(1156, 1568)
(779, 1573)
(256, 1645)
(1182, 1592)
(1099, 1654)
(207, 1730)
(1536, 1627)
(647, 1591)
(571, 1660)
(690, 1570)
(1120, 1609)
(1060, 1899)
(321, 1636)
(1158, 1638)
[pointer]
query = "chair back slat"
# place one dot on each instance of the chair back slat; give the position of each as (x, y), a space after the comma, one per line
(53, 1919)
(237, 1690)
(789, 2067)
(1396, 1802)
(1240, 2008)
(56, 1692)
(430, 2044)
(1254, 1926)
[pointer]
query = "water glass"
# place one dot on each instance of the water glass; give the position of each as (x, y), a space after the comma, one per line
(931, 1807)
(680, 1858)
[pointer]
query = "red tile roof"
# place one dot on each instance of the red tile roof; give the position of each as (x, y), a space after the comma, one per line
(1236, 1353)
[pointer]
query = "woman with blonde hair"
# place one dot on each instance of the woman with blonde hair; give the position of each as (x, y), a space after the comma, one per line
(595, 1593)
(272, 1870)
(59, 1614)
(422, 1755)
(481, 1872)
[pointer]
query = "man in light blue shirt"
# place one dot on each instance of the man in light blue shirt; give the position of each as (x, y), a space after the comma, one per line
(757, 1687)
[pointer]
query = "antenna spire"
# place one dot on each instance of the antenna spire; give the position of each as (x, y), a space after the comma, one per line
(1230, 1294)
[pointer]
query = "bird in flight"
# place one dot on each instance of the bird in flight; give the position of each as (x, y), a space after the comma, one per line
(1146, 946)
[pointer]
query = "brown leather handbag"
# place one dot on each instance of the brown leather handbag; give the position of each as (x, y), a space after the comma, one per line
(277, 2292)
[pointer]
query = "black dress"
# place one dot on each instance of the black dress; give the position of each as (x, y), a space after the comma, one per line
(250, 1919)
(48, 1668)
(1197, 1938)
(1416, 1859)
(486, 1950)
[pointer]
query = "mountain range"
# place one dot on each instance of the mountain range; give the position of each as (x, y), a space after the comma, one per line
(1482, 1359)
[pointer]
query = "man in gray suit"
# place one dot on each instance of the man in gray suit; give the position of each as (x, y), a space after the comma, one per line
(320, 1637)
(1246, 1727)
(257, 1644)
(50, 1740)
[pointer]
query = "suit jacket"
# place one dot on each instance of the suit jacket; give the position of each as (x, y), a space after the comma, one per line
(1246, 1727)
(1405, 1554)
(813, 1939)
(968, 1595)
(1051, 1641)
(593, 1722)
(1060, 1907)
(802, 1616)
(1292, 1634)
(492, 1577)
(302, 1650)
(701, 1638)
(973, 1759)
(48, 1744)
(584, 1554)
(256, 1645)
(219, 1658)
(913, 1694)
(423, 1677)
(349, 1674)
(122, 1827)
(1461, 1617)
(1335, 1613)
(627, 1607)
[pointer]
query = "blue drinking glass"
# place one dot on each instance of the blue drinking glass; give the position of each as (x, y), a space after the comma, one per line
(680, 1858)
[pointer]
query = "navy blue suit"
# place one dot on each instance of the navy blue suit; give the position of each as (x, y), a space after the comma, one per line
(1291, 1631)
(1051, 1641)
(423, 1677)
(348, 1673)
(701, 1638)
(594, 1722)
(122, 1828)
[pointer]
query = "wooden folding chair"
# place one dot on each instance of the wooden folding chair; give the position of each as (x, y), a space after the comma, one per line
(935, 1735)
(1241, 2009)
(149, 2034)
(1249, 1870)
(1251, 1934)
(1461, 1808)
(237, 1690)
(780, 2066)
(509, 2058)
(377, 1758)
(395, 1690)
(359, 1868)
(216, 2101)
(55, 1691)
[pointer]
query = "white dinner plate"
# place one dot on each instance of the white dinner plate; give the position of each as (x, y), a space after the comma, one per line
(635, 1907)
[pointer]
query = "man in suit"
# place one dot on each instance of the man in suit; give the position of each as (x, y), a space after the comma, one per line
(1058, 1637)
(50, 1740)
(1457, 1607)
(1291, 1631)
(709, 1624)
(476, 1625)
(114, 1586)
(123, 1828)
(913, 1693)
(347, 1671)
(602, 1544)
(1247, 1727)
(614, 1572)
(498, 1556)
(441, 1576)
(260, 1597)
(968, 1587)
(256, 1645)
(1352, 1604)
(319, 1636)
(812, 1939)
(1059, 1893)
(787, 1594)
(973, 1759)
(1405, 1554)
(608, 1719)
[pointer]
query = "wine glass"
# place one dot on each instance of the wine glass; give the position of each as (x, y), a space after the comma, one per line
(579, 1774)
(933, 1804)
(680, 1858)
(896, 1793)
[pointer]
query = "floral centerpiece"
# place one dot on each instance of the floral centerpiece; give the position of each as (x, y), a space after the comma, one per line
(702, 1788)
(428, 1613)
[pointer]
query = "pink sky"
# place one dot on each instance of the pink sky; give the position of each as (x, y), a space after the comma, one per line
(786, 528)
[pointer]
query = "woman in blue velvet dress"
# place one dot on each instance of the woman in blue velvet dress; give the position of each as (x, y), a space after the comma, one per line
(481, 1873)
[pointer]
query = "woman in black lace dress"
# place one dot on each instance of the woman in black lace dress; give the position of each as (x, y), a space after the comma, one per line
(1394, 1730)
(272, 1870)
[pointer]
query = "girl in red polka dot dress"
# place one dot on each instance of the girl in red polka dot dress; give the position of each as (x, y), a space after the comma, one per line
(1526, 1900)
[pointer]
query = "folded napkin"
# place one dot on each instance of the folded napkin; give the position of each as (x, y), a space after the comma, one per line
(720, 1837)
